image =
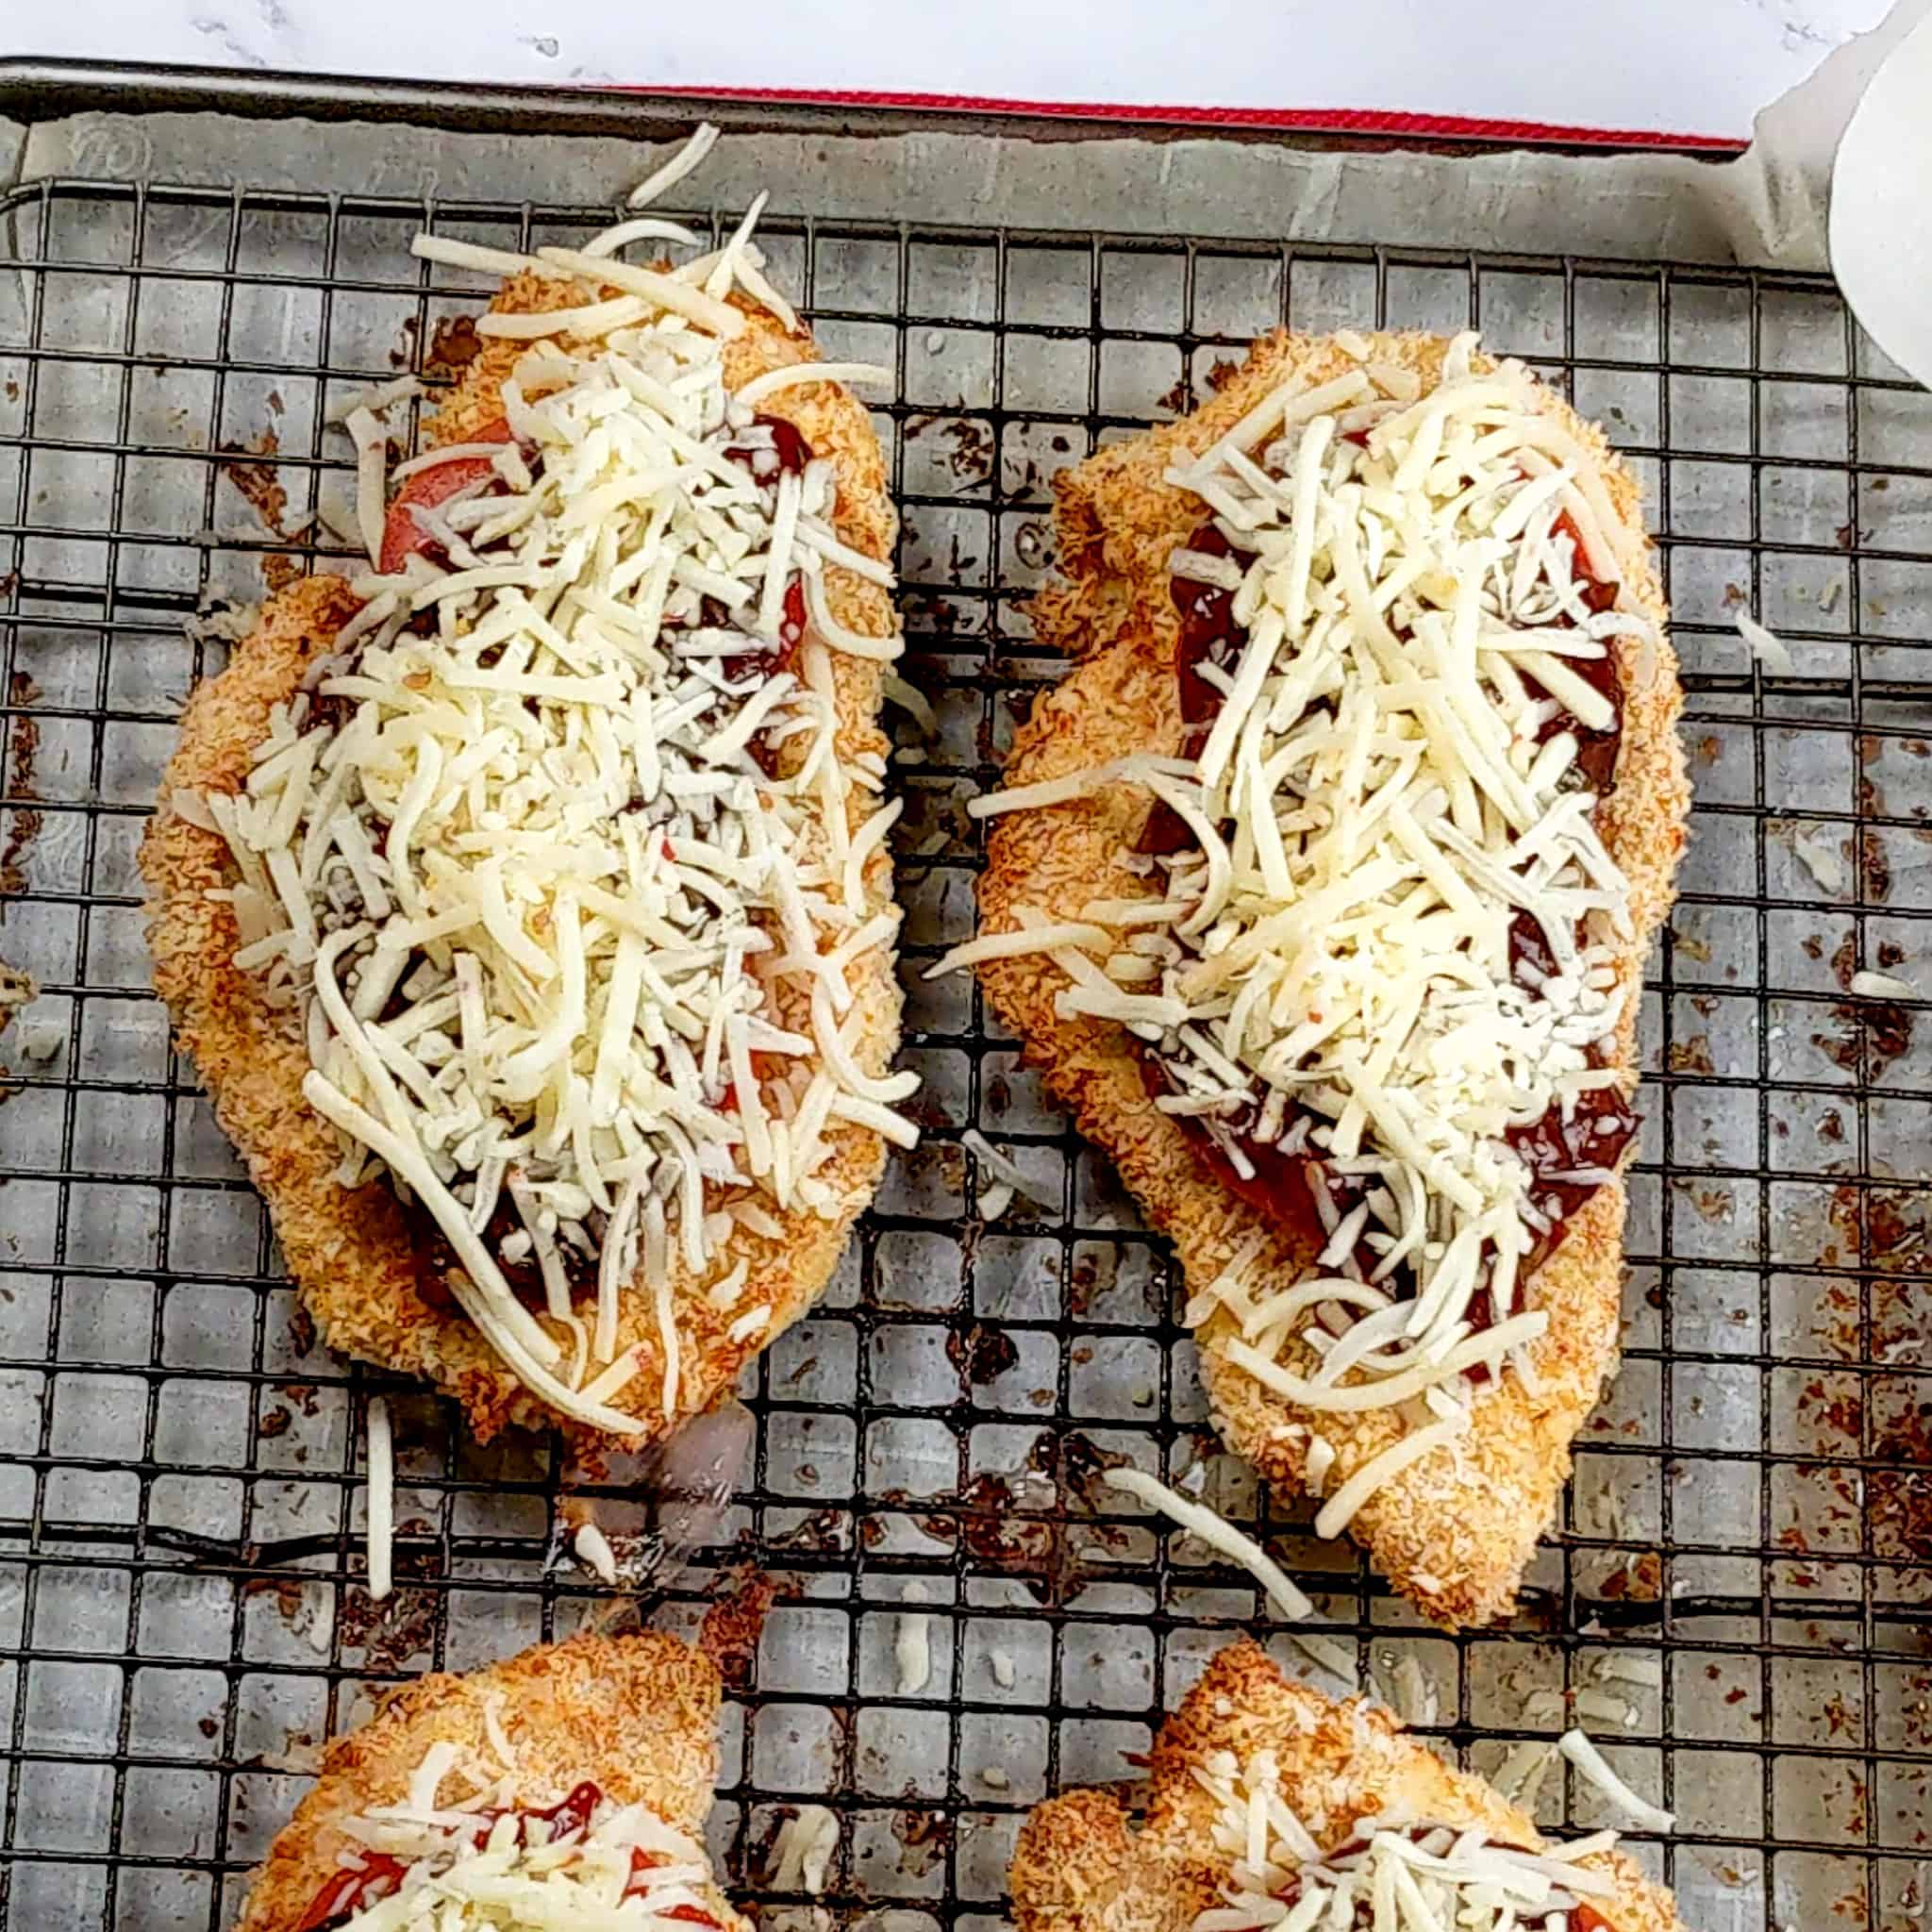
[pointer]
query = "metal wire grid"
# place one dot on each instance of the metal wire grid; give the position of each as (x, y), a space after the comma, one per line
(181, 1616)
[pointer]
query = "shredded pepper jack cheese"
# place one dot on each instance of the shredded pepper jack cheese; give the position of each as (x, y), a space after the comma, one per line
(1389, 789)
(557, 852)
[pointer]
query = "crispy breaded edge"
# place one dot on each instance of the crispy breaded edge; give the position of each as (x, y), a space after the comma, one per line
(635, 1715)
(1079, 1866)
(349, 1251)
(1455, 1530)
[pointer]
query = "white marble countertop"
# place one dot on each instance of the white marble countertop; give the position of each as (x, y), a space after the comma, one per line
(1688, 67)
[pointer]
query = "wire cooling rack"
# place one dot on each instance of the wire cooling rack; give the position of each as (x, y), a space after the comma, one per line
(1748, 1540)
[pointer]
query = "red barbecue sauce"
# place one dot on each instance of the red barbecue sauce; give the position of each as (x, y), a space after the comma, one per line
(1600, 1123)
(349, 1892)
(402, 537)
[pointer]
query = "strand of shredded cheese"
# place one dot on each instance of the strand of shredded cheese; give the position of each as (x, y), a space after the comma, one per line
(1219, 1535)
(1584, 1754)
(382, 1500)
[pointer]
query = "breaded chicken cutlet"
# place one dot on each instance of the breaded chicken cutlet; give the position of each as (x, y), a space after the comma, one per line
(525, 905)
(1320, 893)
(459, 1784)
(1270, 1806)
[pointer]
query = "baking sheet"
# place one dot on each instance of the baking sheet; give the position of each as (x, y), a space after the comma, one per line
(1653, 207)
(936, 1423)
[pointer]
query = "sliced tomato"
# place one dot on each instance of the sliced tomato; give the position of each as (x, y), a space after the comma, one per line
(401, 534)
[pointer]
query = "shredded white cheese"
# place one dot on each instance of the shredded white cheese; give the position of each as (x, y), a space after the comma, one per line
(1623, 1668)
(1219, 1535)
(1405, 1688)
(912, 701)
(1765, 645)
(383, 396)
(1339, 1512)
(1006, 1171)
(372, 457)
(562, 862)
(1391, 1873)
(1327, 1654)
(1013, 945)
(995, 1200)
(382, 1500)
(1822, 856)
(792, 375)
(1604, 1706)
(1579, 1749)
(913, 1645)
(1519, 1777)
(753, 1321)
(703, 138)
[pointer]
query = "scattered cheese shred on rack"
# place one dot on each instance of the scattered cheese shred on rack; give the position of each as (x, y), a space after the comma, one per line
(384, 395)
(1590, 1702)
(802, 1852)
(1618, 1667)
(1006, 1171)
(1765, 645)
(556, 853)
(1378, 963)
(1588, 1759)
(594, 1550)
(491, 1855)
(1219, 1535)
(1405, 1687)
(1822, 853)
(1393, 1873)
(995, 1200)
(382, 1500)
(913, 1645)
(1519, 1777)
(1868, 985)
